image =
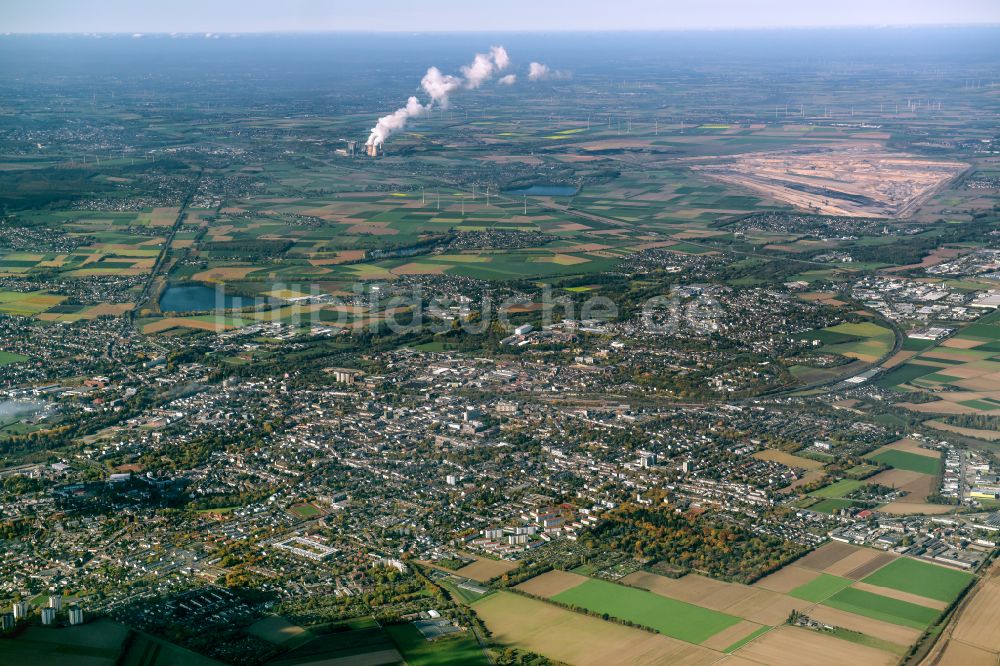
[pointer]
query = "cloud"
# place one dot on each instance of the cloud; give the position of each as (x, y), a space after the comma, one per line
(508, 80)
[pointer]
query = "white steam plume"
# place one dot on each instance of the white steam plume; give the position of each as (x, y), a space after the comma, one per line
(500, 57)
(484, 66)
(438, 86)
(395, 121)
(508, 80)
(538, 72)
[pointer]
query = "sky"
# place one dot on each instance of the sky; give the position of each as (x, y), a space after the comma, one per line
(166, 16)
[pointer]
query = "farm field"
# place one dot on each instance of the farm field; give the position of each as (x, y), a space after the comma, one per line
(676, 619)
(820, 588)
(927, 580)
(844, 560)
(879, 607)
(909, 461)
(789, 459)
(793, 646)
(484, 569)
(579, 639)
(796, 587)
(360, 641)
(972, 630)
(832, 498)
(963, 372)
(864, 341)
(279, 631)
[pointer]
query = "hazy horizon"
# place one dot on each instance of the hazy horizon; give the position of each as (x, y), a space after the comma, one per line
(314, 16)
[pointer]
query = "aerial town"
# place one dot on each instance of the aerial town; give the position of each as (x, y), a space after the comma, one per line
(596, 360)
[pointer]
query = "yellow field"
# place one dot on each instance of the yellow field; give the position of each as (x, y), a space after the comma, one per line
(977, 623)
(224, 273)
(792, 646)
(727, 637)
(902, 596)
(908, 445)
(786, 579)
(788, 459)
(167, 323)
(483, 569)
(420, 268)
(748, 602)
(894, 633)
(859, 564)
(551, 583)
(562, 260)
(694, 589)
(971, 637)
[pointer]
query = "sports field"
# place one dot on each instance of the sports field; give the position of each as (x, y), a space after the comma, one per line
(923, 578)
(838, 489)
(677, 619)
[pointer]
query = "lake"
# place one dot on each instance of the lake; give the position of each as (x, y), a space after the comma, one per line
(545, 191)
(196, 298)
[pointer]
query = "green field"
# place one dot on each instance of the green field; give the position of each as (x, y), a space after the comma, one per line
(459, 649)
(831, 505)
(873, 341)
(306, 511)
(904, 374)
(913, 462)
(923, 578)
(7, 358)
(673, 618)
(883, 608)
(838, 489)
(820, 588)
(746, 639)
(350, 639)
(981, 405)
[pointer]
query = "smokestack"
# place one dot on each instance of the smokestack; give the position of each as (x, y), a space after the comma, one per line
(395, 121)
